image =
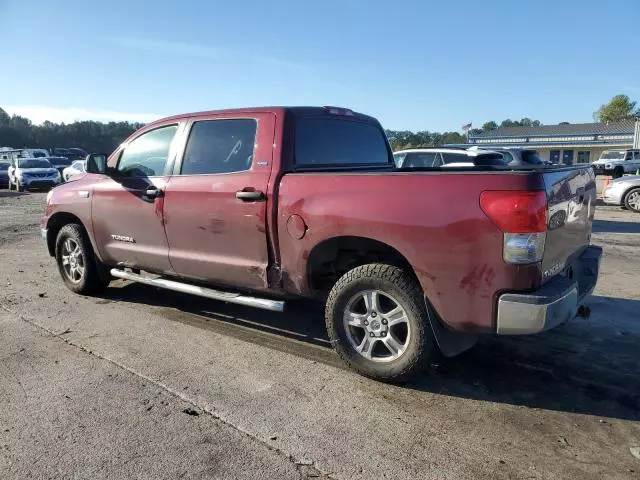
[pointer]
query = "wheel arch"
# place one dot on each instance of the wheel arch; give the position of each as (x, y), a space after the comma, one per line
(55, 224)
(333, 257)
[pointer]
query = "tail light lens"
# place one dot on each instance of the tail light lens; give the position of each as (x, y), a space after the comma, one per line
(522, 217)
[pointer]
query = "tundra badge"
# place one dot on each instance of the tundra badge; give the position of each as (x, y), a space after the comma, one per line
(123, 238)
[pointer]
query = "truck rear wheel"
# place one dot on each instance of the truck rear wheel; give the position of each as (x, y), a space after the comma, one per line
(377, 320)
(79, 268)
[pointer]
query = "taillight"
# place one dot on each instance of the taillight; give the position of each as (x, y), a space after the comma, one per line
(522, 217)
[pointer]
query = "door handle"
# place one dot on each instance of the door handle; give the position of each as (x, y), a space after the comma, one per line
(153, 192)
(250, 195)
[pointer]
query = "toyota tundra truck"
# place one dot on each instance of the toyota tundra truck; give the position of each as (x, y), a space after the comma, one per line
(262, 205)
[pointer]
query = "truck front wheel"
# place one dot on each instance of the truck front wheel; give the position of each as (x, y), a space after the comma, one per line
(377, 320)
(79, 268)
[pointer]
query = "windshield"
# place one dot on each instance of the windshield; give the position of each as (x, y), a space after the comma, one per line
(612, 155)
(33, 163)
(337, 142)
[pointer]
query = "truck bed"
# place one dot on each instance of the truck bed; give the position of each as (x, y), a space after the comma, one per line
(434, 220)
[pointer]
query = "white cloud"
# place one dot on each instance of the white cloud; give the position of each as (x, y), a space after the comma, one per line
(166, 47)
(210, 52)
(39, 113)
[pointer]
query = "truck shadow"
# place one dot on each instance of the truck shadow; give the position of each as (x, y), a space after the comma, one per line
(588, 367)
(612, 226)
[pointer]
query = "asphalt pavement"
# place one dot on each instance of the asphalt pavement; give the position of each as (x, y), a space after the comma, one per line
(145, 383)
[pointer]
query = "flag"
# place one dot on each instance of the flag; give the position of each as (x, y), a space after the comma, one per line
(466, 127)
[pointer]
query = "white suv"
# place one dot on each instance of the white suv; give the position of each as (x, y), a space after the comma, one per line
(446, 157)
(617, 162)
(27, 173)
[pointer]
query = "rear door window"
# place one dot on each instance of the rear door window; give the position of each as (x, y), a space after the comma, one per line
(323, 142)
(220, 146)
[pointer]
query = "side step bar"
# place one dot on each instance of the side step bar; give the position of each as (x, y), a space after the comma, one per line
(263, 303)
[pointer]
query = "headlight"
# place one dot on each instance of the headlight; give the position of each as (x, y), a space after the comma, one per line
(21, 174)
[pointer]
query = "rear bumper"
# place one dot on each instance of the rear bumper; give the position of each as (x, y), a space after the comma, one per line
(552, 304)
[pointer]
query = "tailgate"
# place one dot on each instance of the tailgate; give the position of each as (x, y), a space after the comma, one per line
(571, 196)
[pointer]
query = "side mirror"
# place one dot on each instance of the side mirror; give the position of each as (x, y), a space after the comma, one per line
(97, 163)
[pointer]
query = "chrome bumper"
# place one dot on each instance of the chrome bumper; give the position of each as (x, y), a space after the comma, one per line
(552, 304)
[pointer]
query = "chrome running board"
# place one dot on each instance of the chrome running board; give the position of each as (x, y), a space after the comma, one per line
(263, 303)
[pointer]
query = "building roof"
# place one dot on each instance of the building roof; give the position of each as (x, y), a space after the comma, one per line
(626, 126)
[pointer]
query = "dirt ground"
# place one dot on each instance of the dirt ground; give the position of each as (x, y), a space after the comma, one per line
(143, 383)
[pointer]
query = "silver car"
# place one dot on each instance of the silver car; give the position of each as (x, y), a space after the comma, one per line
(623, 191)
(27, 173)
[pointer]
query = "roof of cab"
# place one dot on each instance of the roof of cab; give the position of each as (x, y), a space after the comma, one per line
(296, 110)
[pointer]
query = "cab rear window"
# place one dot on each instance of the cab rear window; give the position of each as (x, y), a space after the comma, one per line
(321, 142)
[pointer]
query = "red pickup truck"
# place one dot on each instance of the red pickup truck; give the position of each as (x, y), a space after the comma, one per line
(259, 205)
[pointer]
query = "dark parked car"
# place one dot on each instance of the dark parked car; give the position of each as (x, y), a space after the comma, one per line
(70, 153)
(79, 153)
(4, 174)
(60, 163)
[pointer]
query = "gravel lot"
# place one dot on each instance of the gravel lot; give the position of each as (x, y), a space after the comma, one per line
(143, 383)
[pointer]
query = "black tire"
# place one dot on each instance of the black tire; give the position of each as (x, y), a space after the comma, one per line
(95, 277)
(632, 194)
(403, 289)
(618, 172)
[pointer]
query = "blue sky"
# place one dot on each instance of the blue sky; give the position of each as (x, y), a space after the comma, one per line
(417, 65)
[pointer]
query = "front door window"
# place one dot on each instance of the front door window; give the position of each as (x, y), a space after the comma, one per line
(146, 155)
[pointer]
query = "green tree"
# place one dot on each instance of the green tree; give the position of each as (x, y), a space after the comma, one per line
(509, 123)
(5, 119)
(619, 108)
(488, 126)
(19, 132)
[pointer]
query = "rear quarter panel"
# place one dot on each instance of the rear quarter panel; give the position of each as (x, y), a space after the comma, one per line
(433, 219)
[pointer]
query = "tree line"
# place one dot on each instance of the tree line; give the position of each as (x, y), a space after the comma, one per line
(402, 139)
(18, 132)
(619, 108)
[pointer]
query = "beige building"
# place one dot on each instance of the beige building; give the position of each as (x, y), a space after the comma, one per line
(564, 143)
